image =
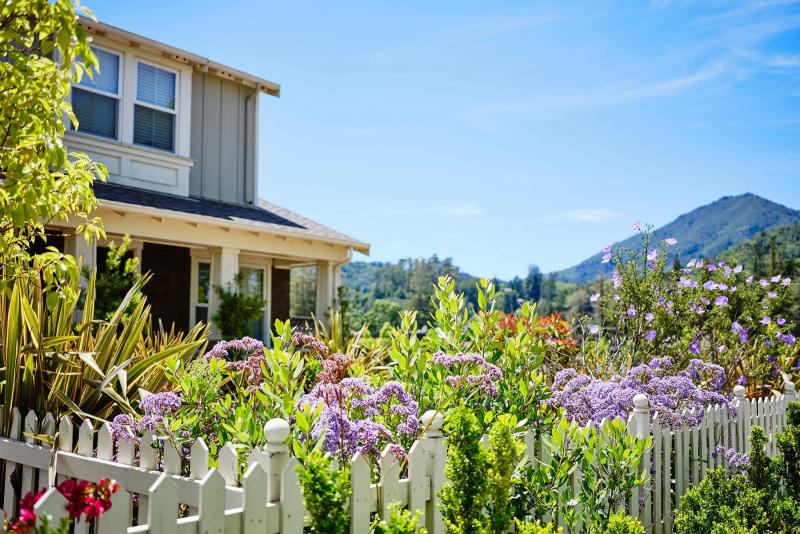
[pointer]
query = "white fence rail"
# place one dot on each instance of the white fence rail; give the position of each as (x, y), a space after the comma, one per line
(163, 492)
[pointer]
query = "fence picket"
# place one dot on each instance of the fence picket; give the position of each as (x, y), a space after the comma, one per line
(658, 461)
(147, 460)
(359, 494)
(105, 443)
(31, 427)
(292, 510)
(390, 480)
(48, 429)
(9, 496)
(254, 516)
(228, 464)
(118, 517)
(212, 503)
(162, 509)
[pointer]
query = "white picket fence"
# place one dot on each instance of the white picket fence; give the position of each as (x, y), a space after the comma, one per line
(164, 493)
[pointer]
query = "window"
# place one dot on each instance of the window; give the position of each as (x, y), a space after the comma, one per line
(253, 284)
(95, 100)
(203, 292)
(154, 110)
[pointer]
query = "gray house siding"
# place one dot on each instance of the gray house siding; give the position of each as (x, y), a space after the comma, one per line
(223, 142)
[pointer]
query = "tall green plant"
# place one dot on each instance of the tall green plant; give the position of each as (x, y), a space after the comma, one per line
(464, 495)
(505, 451)
(113, 283)
(325, 493)
(53, 362)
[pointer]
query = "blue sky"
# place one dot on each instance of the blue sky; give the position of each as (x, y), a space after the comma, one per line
(503, 134)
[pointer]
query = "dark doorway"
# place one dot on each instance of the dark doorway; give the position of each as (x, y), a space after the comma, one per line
(280, 294)
(168, 290)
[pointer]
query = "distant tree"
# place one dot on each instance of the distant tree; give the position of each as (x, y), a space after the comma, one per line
(532, 285)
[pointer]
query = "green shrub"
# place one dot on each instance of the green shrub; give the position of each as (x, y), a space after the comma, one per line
(400, 521)
(325, 493)
(505, 451)
(536, 528)
(113, 283)
(237, 309)
(464, 495)
(621, 523)
(788, 442)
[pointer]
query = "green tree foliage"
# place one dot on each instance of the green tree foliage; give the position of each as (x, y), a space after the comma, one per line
(39, 182)
(325, 493)
(237, 309)
(464, 495)
(789, 446)
(303, 292)
(114, 281)
(622, 523)
(505, 451)
(400, 521)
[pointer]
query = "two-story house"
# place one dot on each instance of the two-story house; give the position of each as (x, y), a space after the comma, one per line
(179, 135)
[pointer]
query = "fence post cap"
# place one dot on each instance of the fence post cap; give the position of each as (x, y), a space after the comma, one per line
(276, 430)
(739, 391)
(641, 402)
(433, 421)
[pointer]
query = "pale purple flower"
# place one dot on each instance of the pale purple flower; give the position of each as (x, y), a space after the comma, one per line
(736, 327)
(694, 347)
(765, 320)
(616, 298)
(616, 279)
(651, 335)
(709, 285)
(691, 263)
(763, 283)
(606, 254)
(786, 281)
(594, 329)
(670, 241)
(636, 226)
(781, 321)
(721, 300)
(631, 311)
(771, 294)
(742, 380)
(652, 255)
(738, 269)
(776, 278)
(649, 317)
(750, 279)
(789, 339)
(594, 298)
(712, 267)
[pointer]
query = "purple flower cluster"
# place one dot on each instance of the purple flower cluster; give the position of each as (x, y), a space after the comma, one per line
(462, 366)
(679, 399)
(235, 349)
(156, 406)
(308, 341)
(738, 462)
(351, 411)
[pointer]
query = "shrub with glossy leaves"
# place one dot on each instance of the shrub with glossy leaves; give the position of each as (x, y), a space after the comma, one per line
(622, 523)
(399, 521)
(325, 494)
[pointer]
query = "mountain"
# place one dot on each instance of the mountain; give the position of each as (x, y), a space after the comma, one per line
(705, 232)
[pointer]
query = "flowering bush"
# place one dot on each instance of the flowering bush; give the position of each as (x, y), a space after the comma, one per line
(680, 398)
(85, 500)
(714, 311)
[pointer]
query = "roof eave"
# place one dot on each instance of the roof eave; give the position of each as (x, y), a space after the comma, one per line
(176, 54)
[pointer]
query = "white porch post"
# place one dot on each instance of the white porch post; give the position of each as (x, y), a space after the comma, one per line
(326, 290)
(83, 251)
(224, 268)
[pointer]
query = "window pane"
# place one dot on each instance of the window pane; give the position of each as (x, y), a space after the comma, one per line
(203, 282)
(155, 86)
(253, 281)
(97, 114)
(107, 78)
(153, 128)
(201, 314)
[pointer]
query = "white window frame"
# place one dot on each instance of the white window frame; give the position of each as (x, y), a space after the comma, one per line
(174, 112)
(118, 96)
(195, 285)
(267, 283)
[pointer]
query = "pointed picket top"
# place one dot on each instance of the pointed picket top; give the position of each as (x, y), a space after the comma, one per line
(118, 517)
(198, 463)
(126, 450)
(359, 494)
(162, 506)
(147, 454)
(16, 424)
(48, 425)
(212, 503)
(65, 437)
(390, 480)
(86, 438)
(292, 511)
(255, 457)
(529, 439)
(172, 459)
(228, 464)
(254, 484)
(417, 479)
(31, 427)
(52, 504)
(105, 442)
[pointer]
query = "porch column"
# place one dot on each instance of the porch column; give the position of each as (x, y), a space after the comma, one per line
(224, 268)
(85, 252)
(326, 290)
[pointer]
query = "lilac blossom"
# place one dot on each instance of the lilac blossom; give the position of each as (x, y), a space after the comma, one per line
(738, 462)
(606, 254)
(616, 279)
(680, 399)
(236, 349)
(462, 365)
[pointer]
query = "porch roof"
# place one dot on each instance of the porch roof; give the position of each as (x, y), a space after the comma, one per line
(266, 216)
